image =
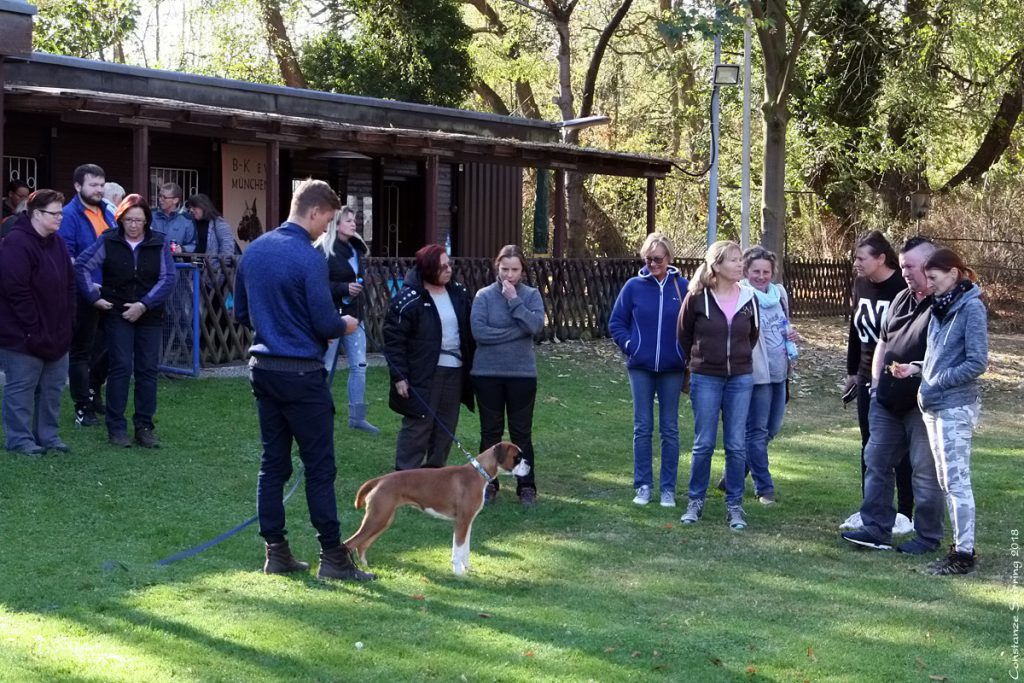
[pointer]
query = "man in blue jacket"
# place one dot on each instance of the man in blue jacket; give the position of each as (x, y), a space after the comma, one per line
(173, 221)
(85, 218)
(282, 294)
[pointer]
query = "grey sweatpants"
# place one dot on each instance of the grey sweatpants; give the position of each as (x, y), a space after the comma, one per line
(949, 433)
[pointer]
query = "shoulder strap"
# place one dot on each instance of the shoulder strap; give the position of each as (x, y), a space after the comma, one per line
(675, 281)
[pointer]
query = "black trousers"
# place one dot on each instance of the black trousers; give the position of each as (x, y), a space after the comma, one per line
(497, 397)
(79, 357)
(422, 442)
(904, 471)
(296, 406)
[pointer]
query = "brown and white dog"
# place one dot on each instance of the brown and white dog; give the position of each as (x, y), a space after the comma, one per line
(455, 493)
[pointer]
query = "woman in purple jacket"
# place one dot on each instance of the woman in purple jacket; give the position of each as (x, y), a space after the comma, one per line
(643, 325)
(37, 307)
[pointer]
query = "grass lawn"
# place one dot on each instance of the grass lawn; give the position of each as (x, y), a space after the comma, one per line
(586, 586)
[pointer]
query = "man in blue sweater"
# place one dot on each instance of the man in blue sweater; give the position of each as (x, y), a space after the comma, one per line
(282, 293)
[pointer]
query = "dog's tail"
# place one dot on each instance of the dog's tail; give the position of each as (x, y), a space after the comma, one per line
(364, 491)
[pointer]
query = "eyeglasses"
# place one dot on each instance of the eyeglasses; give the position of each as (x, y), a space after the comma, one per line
(56, 214)
(133, 221)
(654, 260)
(166, 196)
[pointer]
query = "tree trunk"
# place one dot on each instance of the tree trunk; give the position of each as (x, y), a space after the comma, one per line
(281, 44)
(997, 139)
(773, 180)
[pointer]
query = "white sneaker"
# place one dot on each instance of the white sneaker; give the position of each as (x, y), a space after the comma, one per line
(668, 499)
(902, 525)
(643, 495)
(853, 523)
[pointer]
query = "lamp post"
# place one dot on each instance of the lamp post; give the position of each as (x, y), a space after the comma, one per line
(723, 74)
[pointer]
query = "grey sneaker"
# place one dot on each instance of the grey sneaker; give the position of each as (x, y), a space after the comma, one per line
(694, 510)
(643, 495)
(736, 518)
(668, 499)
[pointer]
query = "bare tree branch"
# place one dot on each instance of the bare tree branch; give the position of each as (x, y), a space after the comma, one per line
(530, 7)
(490, 97)
(590, 81)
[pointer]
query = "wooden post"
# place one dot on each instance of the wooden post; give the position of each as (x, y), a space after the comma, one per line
(140, 163)
(430, 178)
(273, 185)
(652, 205)
(559, 230)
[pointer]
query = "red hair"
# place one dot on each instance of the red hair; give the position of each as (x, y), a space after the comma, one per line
(946, 260)
(428, 262)
(130, 202)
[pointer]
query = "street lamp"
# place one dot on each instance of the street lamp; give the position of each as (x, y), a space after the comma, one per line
(728, 75)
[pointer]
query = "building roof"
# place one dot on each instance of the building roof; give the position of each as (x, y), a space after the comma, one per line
(87, 91)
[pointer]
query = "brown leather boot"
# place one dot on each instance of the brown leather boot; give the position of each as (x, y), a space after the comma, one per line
(281, 561)
(336, 563)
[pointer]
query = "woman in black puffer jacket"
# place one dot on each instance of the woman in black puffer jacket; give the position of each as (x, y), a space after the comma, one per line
(429, 349)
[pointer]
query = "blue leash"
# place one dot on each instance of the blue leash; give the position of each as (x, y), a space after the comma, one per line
(192, 552)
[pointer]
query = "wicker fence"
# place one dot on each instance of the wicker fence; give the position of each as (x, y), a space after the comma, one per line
(578, 295)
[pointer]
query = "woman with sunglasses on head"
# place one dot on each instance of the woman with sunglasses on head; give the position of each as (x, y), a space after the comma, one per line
(956, 356)
(719, 326)
(138, 277)
(643, 325)
(37, 307)
(346, 253)
(429, 349)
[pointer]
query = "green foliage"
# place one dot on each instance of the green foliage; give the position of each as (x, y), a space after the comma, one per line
(83, 28)
(410, 51)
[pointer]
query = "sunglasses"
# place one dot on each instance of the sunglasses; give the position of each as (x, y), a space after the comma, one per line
(654, 260)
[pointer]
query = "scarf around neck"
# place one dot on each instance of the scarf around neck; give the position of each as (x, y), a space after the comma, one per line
(943, 302)
(765, 299)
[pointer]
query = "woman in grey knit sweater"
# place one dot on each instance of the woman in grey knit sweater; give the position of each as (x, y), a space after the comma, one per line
(957, 355)
(506, 316)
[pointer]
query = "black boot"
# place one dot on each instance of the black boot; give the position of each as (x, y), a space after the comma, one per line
(336, 563)
(953, 564)
(281, 561)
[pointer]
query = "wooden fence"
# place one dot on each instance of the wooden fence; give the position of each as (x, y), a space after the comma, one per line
(578, 295)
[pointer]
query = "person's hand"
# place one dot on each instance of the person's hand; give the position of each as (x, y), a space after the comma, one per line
(133, 312)
(508, 290)
(355, 288)
(351, 324)
(402, 387)
(794, 336)
(851, 382)
(103, 304)
(903, 370)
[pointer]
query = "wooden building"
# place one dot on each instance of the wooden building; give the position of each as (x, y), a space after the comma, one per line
(413, 173)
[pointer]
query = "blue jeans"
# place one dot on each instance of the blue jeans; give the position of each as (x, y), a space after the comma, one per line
(296, 406)
(893, 438)
(767, 408)
(134, 350)
(710, 397)
(645, 385)
(355, 352)
(31, 408)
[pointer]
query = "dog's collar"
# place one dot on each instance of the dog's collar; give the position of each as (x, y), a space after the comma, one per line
(481, 470)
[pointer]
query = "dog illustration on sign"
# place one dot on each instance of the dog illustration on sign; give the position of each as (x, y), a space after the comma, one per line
(455, 493)
(250, 227)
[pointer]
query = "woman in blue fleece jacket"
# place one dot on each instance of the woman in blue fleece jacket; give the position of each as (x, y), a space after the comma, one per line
(643, 324)
(956, 356)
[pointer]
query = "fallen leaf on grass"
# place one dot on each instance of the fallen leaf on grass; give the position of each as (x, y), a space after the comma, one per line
(810, 654)
(419, 596)
(668, 526)
(529, 653)
(610, 649)
(936, 677)
(484, 615)
(715, 660)
(751, 669)
(634, 653)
